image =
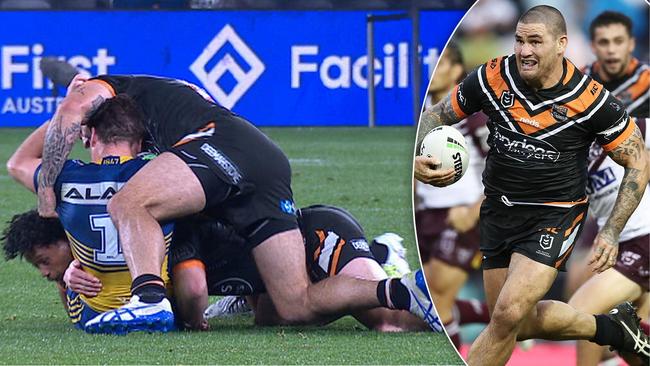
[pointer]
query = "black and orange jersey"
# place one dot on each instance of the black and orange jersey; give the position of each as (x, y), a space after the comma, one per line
(632, 89)
(172, 108)
(539, 139)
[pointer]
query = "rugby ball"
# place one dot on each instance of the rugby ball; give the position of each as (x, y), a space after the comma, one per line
(448, 145)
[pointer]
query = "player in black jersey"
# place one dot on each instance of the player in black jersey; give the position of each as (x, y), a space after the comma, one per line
(616, 68)
(544, 114)
(215, 162)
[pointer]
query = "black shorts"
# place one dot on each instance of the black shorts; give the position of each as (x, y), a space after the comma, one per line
(544, 234)
(226, 257)
(333, 238)
(246, 178)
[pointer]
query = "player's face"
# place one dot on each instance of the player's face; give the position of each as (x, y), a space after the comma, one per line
(443, 79)
(613, 48)
(538, 53)
(51, 260)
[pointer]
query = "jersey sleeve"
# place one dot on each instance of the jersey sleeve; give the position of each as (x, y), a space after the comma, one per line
(465, 97)
(611, 124)
(117, 84)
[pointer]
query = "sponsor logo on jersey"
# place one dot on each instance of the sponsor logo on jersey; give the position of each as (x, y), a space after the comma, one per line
(459, 95)
(507, 99)
(600, 179)
(546, 241)
(287, 206)
(559, 112)
(528, 121)
(245, 74)
(224, 164)
(89, 193)
(522, 147)
(360, 244)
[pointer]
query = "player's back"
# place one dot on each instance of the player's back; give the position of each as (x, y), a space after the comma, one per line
(83, 191)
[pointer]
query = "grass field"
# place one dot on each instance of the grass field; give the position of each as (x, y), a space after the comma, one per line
(364, 170)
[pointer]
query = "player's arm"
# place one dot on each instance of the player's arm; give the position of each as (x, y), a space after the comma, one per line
(191, 293)
(440, 114)
(25, 160)
(64, 130)
(632, 155)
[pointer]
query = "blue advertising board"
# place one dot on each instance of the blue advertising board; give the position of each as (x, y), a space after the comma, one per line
(285, 68)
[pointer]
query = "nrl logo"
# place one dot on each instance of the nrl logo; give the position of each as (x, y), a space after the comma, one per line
(507, 99)
(559, 112)
(546, 241)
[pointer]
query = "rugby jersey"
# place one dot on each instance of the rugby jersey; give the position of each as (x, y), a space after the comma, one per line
(83, 191)
(539, 139)
(632, 89)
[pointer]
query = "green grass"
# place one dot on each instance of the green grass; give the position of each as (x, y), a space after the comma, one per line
(364, 170)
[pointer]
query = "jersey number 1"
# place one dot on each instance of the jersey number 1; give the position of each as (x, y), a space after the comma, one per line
(111, 250)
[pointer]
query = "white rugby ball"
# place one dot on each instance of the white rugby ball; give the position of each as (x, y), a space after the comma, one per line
(448, 145)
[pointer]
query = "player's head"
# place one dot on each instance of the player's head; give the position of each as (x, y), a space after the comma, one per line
(612, 42)
(116, 120)
(42, 241)
(540, 42)
(450, 70)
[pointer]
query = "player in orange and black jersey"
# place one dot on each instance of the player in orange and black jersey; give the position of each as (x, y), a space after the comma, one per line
(616, 68)
(544, 114)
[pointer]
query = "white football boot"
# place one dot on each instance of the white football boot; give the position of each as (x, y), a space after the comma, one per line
(421, 304)
(396, 265)
(227, 307)
(134, 316)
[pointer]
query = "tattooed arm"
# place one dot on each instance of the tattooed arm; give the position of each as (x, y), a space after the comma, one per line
(64, 130)
(630, 154)
(25, 160)
(425, 168)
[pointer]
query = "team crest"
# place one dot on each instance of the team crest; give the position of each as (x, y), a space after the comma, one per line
(559, 112)
(507, 99)
(546, 241)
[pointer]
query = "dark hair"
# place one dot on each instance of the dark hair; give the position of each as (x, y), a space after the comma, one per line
(547, 15)
(610, 17)
(455, 57)
(27, 231)
(118, 119)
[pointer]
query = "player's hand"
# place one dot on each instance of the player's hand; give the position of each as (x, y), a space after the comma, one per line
(47, 202)
(427, 170)
(461, 219)
(604, 252)
(76, 82)
(78, 280)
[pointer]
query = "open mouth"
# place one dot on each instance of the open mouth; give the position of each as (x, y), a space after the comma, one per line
(612, 62)
(527, 65)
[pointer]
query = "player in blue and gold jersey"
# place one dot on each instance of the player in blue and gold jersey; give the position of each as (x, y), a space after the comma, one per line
(83, 191)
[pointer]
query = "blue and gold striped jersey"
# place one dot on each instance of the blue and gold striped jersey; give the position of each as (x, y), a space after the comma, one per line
(83, 191)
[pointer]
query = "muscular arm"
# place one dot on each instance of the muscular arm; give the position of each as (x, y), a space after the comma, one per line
(23, 163)
(65, 127)
(630, 154)
(438, 115)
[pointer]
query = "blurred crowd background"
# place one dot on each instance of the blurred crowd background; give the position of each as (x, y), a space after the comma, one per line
(488, 29)
(233, 4)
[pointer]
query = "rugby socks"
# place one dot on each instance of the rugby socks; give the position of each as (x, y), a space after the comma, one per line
(453, 331)
(393, 294)
(608, 332)
(471, 311)
(150, 288)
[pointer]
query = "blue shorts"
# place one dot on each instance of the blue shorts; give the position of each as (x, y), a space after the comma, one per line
(78, 311)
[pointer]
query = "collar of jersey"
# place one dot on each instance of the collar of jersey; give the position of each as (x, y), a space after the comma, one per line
(113, 160)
